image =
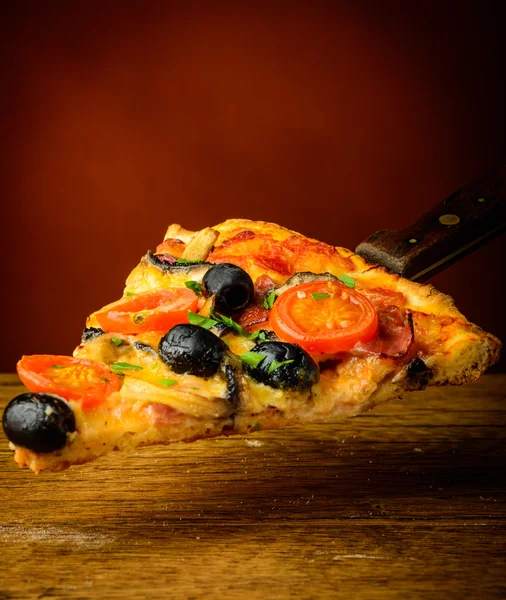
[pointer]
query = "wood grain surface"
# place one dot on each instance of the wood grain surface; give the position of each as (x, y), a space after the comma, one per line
(407, 501)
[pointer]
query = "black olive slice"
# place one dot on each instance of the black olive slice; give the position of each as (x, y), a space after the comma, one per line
(39, 422)
(192, 349)
(298, 372)
(145, 348)
(232, 287)
(91, 333)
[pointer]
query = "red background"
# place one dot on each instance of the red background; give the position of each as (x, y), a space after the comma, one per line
(120, 118)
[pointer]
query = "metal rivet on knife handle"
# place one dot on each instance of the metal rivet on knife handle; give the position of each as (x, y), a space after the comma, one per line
(449, 219)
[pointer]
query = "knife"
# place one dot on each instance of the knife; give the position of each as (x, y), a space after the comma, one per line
(463, 222)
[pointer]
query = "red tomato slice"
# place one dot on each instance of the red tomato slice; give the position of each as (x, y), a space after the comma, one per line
(324, 317)
(87, 381)
(157, 310)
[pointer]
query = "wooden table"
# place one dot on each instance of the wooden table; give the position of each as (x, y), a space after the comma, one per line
(407, 501)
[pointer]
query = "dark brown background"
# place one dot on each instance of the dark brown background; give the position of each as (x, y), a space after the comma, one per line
(120, 118)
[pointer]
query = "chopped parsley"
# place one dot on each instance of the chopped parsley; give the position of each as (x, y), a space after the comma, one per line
(258, 335)
(185, 261)
(194, 286)
(237, 328)
(105, 379)
(130, 294)
(196, 319)
(256, 426)
(229, 323)
(269, 301)
(252, 358)
(117, 341)
(320, 295)
(168, 382)
(207, 323)
(347, 280)
(57, 366)
(275, 365)
(119, 367)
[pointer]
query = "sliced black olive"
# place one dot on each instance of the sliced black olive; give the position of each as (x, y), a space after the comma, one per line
(231, 285)
(232, 394)
(418, 372)
(145, 348)
(416, 366)
(220, 329)
(39, 422)
(90, 333)
(170, 265)
(192, 349)
(301, 372)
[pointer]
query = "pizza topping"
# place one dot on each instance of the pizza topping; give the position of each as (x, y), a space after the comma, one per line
(192, 349)
(330, 324)
(263, 286)
(347, 280)
(87, 381)
(39, 422)
(253, 359)
(232, 287)
(304, 277)
(119, 367)
(281, 365)
(168, 264)
(253, 315)
(194, 286)
(268, 302)
(172, 247)
(91, 333)
(145, 348)
(395, 334)
(232, 394)
(157, 310)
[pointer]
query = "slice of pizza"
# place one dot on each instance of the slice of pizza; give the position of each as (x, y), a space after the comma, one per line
(235, 328)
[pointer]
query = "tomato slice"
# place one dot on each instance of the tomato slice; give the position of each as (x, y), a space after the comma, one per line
(87, 381)
(157, 310)
(324, 317)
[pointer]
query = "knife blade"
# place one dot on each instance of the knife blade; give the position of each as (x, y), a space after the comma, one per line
(461, 223)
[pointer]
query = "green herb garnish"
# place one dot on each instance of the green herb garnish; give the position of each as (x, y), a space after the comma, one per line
(258, 335)
(130, 294)
(119, 367)
(185, 261)
(252, 358)
(229, 322)
(347, 280)
(196, 319)
(105, 379)
(57, 367)
(269, 301)
(275, 365)
(194, 286)
(237, 328)
(117, 341)
(256, 426)
(320, 295)
(168, 382)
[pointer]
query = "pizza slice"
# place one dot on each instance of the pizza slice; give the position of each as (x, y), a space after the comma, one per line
(239, 327)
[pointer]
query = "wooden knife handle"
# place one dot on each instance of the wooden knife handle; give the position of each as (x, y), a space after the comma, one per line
(464, 221)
